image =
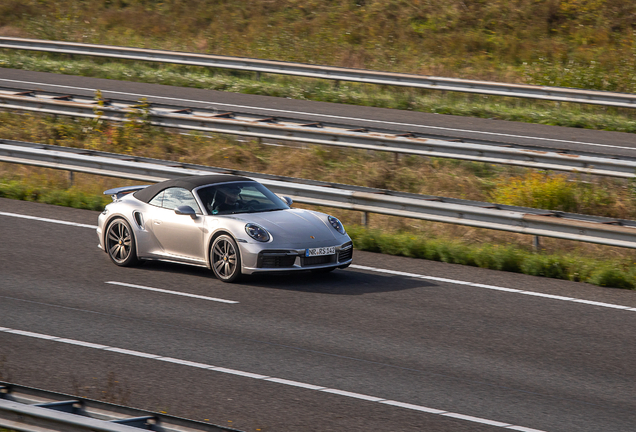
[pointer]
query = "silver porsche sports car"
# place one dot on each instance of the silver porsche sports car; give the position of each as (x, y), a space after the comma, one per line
(233, 225)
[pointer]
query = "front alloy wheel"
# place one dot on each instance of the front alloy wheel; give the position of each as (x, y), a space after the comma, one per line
(120, 243)
(225, 258)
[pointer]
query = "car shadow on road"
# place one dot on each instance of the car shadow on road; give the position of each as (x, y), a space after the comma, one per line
(339, 282)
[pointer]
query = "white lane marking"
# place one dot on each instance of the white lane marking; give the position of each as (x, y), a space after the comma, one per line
(492, 287)
(57, 221)
(352, 395)
(522, 429)
(476, 419)
(238, 372)
(295, 383)
(270, 379)
(172, 292)
(328, 115)
(374, 269)
(412, 407)
(185, 362)
(81, 343)
(131, 352)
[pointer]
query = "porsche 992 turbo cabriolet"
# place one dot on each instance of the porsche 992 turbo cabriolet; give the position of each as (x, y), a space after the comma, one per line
(230, 224)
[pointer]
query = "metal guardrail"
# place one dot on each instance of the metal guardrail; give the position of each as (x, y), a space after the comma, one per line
(327, 72)
(592, 229)
(321, 133)
(27, 409)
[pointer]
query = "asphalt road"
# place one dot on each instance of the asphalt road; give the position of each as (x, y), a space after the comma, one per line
(515, 360)
(453, 127)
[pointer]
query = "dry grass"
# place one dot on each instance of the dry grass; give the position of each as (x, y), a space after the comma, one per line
(502, 40)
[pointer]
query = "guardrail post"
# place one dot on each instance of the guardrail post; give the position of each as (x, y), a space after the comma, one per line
(365, 219)
(71, 178)
(536, 243)
(258, 76)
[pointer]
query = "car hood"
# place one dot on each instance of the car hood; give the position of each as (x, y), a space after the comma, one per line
(295, 226)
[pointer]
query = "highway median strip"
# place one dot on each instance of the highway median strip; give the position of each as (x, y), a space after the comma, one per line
(338, 392)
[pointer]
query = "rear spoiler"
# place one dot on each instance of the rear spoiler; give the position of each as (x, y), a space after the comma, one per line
(119, 192)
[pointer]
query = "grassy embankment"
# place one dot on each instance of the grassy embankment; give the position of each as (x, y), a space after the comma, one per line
(575, 43)
(448, 243)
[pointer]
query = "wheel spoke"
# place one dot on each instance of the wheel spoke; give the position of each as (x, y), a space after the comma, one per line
(113, 250)
(217, 250)
(217, 265)
(112, 236)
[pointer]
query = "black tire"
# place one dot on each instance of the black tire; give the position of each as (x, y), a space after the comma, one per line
(225, 259)
(120, 243)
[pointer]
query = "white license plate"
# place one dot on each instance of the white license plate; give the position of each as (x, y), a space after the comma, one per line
(320, 251)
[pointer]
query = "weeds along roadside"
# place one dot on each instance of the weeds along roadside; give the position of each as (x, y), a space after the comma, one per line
(587, 44)
(430, 101)
(449, 243)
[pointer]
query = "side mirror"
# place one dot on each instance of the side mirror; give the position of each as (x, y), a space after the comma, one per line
(186, 210)
(288, 200)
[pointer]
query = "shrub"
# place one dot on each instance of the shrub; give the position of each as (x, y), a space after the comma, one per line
(544, 265)
(504, 258)
(614, 277)
(538, 191)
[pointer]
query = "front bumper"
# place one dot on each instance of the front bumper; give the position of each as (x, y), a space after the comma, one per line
(284, 260)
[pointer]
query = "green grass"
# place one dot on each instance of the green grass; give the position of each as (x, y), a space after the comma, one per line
(16, 189)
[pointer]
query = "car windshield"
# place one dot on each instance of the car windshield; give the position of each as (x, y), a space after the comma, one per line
(239, 197)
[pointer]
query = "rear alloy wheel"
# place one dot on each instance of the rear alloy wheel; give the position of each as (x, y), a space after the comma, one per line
(120, 243)
(225, 259)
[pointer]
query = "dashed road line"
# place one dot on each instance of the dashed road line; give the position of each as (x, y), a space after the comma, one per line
(171, 292)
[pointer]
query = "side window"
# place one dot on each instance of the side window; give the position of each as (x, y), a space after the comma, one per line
(157, 200)
(175, 197)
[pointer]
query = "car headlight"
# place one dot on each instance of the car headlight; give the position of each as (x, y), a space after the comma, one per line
(336, 224)
(257, 232)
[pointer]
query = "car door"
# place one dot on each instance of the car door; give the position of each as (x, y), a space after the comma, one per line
(178, 235)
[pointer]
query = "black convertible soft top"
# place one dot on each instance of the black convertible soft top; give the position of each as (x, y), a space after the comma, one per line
(189, 183)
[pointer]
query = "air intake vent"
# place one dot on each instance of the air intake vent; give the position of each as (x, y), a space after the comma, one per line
(139, 219)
